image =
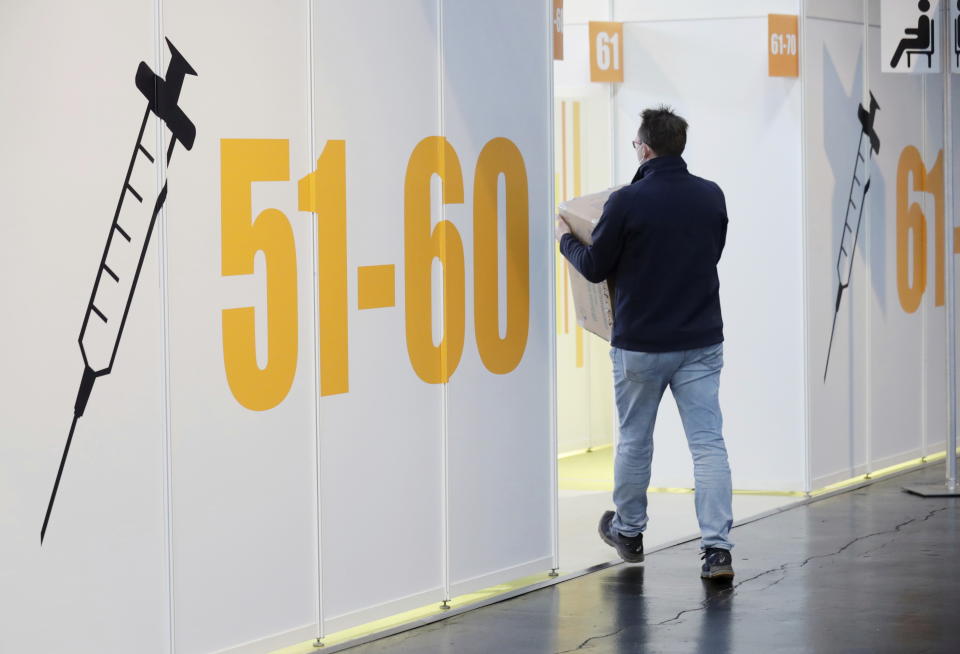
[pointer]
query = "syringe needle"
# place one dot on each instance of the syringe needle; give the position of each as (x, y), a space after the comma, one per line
(833, 330)
(56, 484)
(83, 396)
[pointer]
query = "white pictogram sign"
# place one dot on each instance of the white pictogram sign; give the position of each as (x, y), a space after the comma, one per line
(911, 36)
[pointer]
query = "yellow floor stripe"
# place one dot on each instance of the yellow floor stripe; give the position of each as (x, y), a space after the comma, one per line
(413, 615)
(881, 472)
(598, 448)
(585, 470)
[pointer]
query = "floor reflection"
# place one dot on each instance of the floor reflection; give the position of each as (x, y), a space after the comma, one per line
(717, 620)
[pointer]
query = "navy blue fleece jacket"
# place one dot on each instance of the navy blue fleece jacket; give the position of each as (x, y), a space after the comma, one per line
(660, 240)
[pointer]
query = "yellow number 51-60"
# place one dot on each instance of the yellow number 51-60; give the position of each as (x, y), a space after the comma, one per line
(323, 192)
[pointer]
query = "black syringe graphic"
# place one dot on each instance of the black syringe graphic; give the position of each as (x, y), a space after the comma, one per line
(869, 144)
(128, 239)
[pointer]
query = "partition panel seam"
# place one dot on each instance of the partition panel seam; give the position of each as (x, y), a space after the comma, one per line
(166, 428)
(924, 315)
(312, 153)
(950, 287)
(868, 254)
(444, 418)
(804, 249)
(551, 306)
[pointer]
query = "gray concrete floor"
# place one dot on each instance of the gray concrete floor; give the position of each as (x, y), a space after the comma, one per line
(870, 570)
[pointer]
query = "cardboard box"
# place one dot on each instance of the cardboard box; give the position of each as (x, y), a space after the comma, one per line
(593, 303)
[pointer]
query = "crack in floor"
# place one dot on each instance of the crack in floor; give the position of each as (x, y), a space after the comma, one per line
(784, 568)
(879, 533)
(725, 593)
(584, 643)
(776, 582)
(876, 549)
(703, 606)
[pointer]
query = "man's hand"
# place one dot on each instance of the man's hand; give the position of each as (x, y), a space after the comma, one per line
(562, 228)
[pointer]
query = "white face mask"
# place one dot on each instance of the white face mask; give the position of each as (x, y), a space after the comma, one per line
(643, 154)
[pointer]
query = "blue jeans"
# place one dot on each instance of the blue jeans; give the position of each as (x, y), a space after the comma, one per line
(640, 378)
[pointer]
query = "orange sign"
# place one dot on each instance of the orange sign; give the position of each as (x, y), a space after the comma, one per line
(557, 19)
(782, 45)
(606, 52)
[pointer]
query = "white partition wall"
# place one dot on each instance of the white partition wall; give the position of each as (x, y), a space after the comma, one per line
(883, 399)
(895, 332)
(833, 68)
(332, 398)
(934, 357)
(498, 441)
(68, 133)
(381, 457)
(240, 330)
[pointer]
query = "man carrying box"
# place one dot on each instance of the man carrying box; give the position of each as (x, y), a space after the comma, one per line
(660, 239)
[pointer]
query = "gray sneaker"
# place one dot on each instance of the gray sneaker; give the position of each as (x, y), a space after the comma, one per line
(630, 548)
(717, 564)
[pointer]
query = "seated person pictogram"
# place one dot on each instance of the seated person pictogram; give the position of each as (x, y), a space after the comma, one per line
(922, 41)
